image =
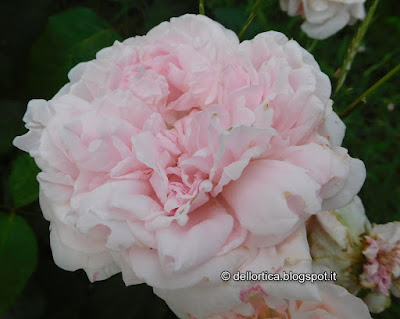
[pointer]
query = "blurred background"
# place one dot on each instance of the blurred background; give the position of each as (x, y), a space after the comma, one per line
(41, 40)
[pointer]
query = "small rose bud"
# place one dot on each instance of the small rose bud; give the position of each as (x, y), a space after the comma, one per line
(377, 302)
(335, 242)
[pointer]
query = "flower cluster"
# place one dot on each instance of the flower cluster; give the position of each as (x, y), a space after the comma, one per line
(364, 257)
(178, 155)
(383, 257)
(381, 270)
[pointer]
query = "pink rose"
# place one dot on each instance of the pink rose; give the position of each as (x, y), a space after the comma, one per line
(382, 253)
(381, 271)
(177, 155)
(335, 303)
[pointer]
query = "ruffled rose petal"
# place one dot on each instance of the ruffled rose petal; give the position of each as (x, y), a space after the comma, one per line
(206, 299)
(261, 200)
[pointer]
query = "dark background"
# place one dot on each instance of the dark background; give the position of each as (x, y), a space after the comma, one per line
(40, 40)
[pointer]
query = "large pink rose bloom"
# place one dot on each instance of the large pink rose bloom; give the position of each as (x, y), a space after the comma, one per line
(177, 155)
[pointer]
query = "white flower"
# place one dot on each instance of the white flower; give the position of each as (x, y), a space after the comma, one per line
(324, 18)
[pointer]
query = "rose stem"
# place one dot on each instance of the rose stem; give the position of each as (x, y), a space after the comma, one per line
(355, 46)
(353, 105)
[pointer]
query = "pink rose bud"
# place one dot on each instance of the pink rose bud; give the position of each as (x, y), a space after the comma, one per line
(377, 302)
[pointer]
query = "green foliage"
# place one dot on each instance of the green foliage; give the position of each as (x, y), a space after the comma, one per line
(391, 313)
(370, 91)
(18, 258)
(70, 37)
(376, 142)
(395, 21)
(23, 184)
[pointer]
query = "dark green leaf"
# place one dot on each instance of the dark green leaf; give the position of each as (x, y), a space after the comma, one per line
(31, 304)
(86, 50)
(18, 258)
(395, 21)
(70, 37)
(23, 184)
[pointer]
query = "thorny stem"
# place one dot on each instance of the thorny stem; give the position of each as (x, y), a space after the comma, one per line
(353, 105)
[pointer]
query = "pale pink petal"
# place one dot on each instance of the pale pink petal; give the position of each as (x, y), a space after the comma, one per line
(260, 200)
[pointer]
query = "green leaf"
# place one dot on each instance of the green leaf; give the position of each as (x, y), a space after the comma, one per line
(70, 37)
(23, 184)
(395, 21)
(18, 258)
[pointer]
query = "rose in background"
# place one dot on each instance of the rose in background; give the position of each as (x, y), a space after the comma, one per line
(152, 169)
(323, 18)
(364, 256)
